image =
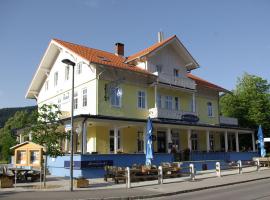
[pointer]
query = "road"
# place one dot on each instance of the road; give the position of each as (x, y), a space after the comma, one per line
(257, 190)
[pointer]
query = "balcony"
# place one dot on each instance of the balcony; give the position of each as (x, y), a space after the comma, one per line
(168, 114)
(228, 121)
(178, 81)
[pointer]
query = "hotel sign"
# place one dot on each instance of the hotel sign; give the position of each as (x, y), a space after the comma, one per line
(190, 118)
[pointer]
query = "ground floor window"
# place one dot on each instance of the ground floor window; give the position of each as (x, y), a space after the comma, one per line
(161, 142)
(112, 140)
(194, 142)
(211, 142)
(231, 142)
(175, 141)
(140, 141)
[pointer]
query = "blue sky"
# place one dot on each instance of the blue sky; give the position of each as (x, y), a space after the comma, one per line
(227, 38)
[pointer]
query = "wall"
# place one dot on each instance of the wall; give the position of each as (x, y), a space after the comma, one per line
(86, 79)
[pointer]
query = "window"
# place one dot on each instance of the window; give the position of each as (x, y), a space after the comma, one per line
(211, 142)
(141, 99)
(176, 73)
(115, 96)
(84, 97)
(66, 96)
(159, 101)
(46, 85)
(210, 109)
(79, 68)
(55, 79)
(59, 103)
(159, 68)
(75, 100)
(176, 103)
(168, 102)
(175, 140)
(67, 73)
(112, 140)
(140, 141)
(194, 141)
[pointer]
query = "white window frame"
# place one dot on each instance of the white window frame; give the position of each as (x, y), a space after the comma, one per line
(67, 69)
(55, 78)
(66, 96)
(111, 136)
(76, 100)
(210, 110)
(176, 103)
(159, 101)
(84, 97)
(140, 141)
(114, 98)
(141, 99)
(168, 102)
(79, 68)
(194, 141)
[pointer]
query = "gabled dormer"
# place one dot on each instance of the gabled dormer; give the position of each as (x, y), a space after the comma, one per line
(169, 59)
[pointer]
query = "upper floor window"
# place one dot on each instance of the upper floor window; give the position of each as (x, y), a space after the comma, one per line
(175, 72)
(79, 68)
(210, 109)
(46, 85)
(84, 97)
(159, 101)
(67, 72)
(176, 103)
(168, 102)
(55, 79)
(141, 99)
(75, 100)
(116, 96)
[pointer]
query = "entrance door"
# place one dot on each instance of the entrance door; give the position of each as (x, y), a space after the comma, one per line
(161, 142)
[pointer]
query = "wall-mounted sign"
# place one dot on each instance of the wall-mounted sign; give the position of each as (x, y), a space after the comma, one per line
(89, 164)
(190, 118)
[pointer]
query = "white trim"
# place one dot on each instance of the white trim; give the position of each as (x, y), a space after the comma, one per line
(145, 99)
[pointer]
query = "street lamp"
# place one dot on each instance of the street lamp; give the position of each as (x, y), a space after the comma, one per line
(69, 62)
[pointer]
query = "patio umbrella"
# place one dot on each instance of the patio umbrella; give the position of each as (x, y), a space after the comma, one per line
(149, 149)
(261, 142)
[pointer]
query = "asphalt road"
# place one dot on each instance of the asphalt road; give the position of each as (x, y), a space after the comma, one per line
(257, 190)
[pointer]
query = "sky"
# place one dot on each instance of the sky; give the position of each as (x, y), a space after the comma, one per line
(227, 38)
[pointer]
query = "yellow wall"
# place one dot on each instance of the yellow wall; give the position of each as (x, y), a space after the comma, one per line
(129, 107)
(129, 139)
(183, 139)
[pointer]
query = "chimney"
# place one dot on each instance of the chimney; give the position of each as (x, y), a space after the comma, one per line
(160, 36)
(119, 49)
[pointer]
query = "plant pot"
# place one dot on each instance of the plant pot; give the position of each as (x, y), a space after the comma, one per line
(81, 183)
(6, 182)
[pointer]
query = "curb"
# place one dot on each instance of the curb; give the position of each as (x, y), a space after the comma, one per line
(176, 192)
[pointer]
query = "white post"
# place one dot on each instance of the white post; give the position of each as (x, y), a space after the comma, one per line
(160, 175)
(193, 102)
(253, 142)
(189, 139)
(115, 140)
(20, 138)
(239, 162)
(84, 137)
(207, 141)
(237, 141)
(226, 141)
(218, 171)
(128, 177)
(258, 164)
(192, 171)
(169, 139)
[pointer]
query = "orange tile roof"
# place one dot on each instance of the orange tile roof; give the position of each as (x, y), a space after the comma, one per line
(207, 84)
(149, 49)
(101, 57)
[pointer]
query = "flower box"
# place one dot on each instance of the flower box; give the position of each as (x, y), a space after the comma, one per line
(81, 183)
(6, 182)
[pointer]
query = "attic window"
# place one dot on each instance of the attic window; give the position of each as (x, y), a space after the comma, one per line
(104, 59)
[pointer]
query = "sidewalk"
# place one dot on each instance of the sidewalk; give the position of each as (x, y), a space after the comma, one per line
(148, 189)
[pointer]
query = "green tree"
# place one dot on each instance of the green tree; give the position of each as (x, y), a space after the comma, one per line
(19, 120)
(48, 133)
(249, 102)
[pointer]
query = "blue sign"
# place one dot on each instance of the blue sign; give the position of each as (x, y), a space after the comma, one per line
(89, 164)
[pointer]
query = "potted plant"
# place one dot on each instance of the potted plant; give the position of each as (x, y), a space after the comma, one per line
(81, 182)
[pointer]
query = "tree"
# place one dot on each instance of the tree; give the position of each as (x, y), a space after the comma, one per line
(249, 102)
(19, 120)
(48, 133)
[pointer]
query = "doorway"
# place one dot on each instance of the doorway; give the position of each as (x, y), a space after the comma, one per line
(161, 142)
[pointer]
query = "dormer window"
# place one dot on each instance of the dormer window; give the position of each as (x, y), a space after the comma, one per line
(176, 73)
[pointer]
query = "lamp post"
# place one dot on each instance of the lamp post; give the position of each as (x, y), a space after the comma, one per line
(69, 62)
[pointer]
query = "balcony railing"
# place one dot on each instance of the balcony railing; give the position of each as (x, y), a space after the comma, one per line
(179, 81)
(168, 114)
(228, 120)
